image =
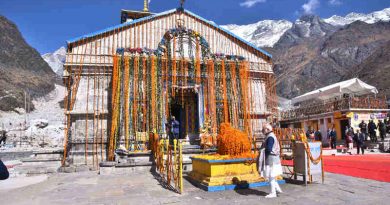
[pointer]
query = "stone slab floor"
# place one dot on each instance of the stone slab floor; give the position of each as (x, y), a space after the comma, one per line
(141, 188)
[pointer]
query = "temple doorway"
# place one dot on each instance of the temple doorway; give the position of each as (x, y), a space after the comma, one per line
(184, 106)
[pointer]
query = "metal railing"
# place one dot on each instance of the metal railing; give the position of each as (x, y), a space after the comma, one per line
(169, 163)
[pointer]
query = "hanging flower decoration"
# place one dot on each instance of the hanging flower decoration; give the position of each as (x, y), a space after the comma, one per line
(223, 56)
(139, 51)
(180, 32)
(232, 141)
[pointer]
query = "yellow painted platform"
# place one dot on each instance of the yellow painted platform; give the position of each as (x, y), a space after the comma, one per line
(224, 172)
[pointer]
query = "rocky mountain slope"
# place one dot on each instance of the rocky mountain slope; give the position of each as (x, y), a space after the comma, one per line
(375, 69)
(21, 69)
(314, 54)
(56, 60)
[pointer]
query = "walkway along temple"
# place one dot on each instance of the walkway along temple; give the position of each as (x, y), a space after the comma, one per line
(126, 82)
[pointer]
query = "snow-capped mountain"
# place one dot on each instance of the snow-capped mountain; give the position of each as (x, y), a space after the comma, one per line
(267, 32)
(263, 33)
(370, 18)
(56, 60)
(307, 26)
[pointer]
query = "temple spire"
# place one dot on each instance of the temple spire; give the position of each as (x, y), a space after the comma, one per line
(146, 5)
(182, 3)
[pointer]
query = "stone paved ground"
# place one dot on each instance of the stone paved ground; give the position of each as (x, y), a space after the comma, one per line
(144, 189)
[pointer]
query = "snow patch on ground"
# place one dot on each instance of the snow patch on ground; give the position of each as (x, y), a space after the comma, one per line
(42, 128)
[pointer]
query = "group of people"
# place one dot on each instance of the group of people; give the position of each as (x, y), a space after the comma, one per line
(356, 136)
(369, 130)
(365, 132)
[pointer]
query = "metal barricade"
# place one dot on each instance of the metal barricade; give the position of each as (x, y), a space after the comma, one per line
(169, 164)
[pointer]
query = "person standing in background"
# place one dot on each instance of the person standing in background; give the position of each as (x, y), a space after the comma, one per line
(382, 130)
(359, 140)
(333, 138)
(372, 131)
(363, 129)
(387, 124)
(318, 136)
(328, 137)
(175, 125)
(349, 134)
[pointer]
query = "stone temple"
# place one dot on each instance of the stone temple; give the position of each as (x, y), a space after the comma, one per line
(127, 81)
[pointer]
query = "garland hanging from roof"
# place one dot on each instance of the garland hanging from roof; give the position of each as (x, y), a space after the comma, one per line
(180, 33)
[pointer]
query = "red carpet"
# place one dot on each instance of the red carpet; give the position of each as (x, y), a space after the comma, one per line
(376, 167)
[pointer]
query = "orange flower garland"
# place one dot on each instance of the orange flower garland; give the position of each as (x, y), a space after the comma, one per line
(115, 105)
(232, 141)
(197, 63)
(154, 84)
(174, 67)
(225, 100)
(135, 93)
(234, 101)
(144, 90)
(127, 98)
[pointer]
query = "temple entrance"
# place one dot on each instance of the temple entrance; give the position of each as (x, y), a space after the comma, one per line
(184, 106)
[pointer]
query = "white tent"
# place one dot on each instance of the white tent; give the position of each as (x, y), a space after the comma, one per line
(352, 86)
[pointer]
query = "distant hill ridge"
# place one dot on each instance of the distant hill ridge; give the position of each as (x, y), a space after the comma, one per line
(21, 69)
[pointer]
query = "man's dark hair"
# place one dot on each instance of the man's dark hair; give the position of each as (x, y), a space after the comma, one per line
(4, 174)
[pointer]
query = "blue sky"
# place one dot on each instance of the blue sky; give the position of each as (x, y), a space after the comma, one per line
(47, 24)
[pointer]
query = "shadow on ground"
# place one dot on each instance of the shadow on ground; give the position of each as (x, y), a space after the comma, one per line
(247, 192)
(162, 182)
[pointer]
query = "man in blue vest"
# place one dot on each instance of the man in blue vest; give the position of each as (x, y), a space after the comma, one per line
(273, 167)
(175, 126)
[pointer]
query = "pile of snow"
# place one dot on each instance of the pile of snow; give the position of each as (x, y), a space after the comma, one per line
(56, 60)
(41, 134)
(42, 128)
(383, 15)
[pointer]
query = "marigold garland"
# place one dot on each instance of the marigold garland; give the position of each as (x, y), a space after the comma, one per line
(225, 102)
(144, 92)
(135, 95)
(153, 97)
(126, 100)
(232, 142)
(197, 63)
(234, 86)
(147, 80)
(244, 87)
(115, 106)
(213, 110)
(174, 73)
